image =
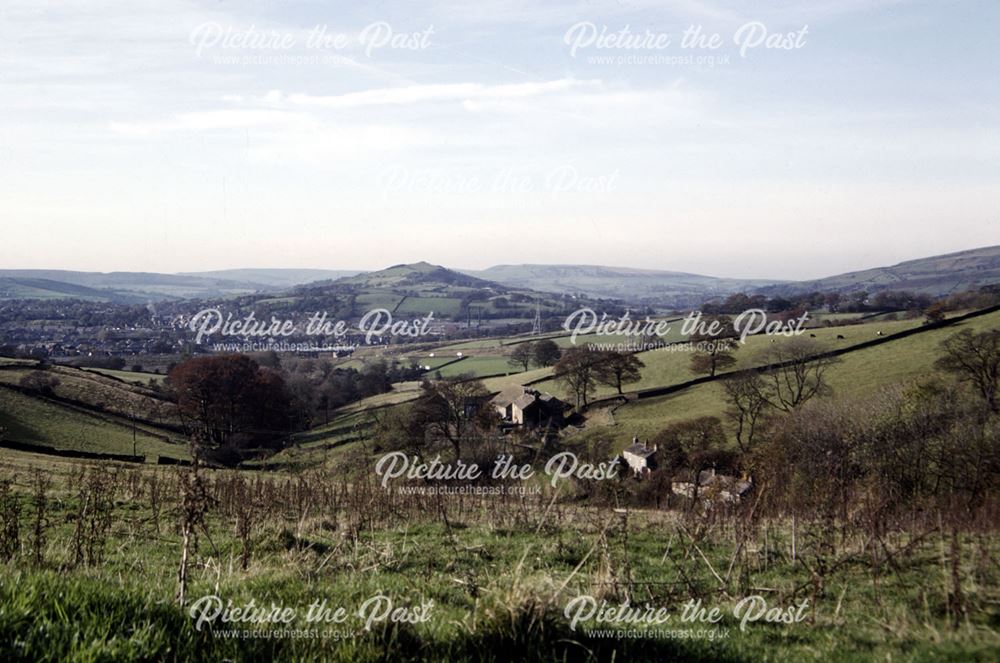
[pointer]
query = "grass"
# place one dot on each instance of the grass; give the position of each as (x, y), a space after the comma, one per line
(374, 300)
(97, 391)
(36, 421)
(897, 362)
(442, 307)
(135, 377)
(499, 582)
(479, 366)
(670, 365)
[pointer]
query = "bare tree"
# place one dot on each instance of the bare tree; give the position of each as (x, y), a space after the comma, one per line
(796, 374)
(745, 394)
(975, 358)
(452, 409)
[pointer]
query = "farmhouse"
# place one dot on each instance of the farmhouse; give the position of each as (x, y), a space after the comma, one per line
(639, 457)
(522, 406)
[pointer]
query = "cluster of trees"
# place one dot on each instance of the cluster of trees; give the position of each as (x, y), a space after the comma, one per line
(540, 353)
(317, 387)
(916, 445)
(230, 403)
(583, 367)
(451, 413)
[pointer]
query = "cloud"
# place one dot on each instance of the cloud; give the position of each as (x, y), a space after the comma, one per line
(417, 94)
(212, 120)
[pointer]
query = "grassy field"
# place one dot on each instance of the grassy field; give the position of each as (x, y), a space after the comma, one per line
(493, 573)
(897, 362)
(35, 421)
(670, 365)
(418, 306)
(484, 579)
(100, 392)
(373, 300)
(479, 366)
(135, 377)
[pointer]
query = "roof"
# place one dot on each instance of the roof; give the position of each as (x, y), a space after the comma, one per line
(525, 400)
(521, 396)
(509, 394)
(639, 450)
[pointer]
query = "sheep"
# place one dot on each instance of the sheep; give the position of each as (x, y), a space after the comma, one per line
(878, 333)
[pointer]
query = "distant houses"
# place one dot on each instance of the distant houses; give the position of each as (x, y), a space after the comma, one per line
(520, 406)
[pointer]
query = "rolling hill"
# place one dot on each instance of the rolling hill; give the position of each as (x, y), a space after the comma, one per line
(43, 288)
(420, 288)
(142, 287)
(275, 278)
(645, 286)
(936, 276)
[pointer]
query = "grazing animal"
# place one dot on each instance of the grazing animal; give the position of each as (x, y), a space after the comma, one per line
(878, 333)
(812, 335)
(840, 336)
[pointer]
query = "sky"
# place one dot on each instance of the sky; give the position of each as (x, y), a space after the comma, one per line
(792, 139)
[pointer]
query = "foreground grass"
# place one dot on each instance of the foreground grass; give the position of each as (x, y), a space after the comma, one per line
(499, 574)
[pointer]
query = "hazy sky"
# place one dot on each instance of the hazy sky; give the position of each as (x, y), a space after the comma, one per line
(177, 136)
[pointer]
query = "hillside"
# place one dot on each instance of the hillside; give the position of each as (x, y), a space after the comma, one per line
(415, 274)
(936, 275)
(647, 286)
(141, 287)
(275, 278)
(420, 288)
(900, 360)
(30, 287)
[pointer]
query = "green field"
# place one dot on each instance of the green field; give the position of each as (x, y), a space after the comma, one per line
(135, 377)
(97, 391)
(859, 372)
(36, 421)
(373, 300)
(670, 365)
(442, 307)
(479, 366)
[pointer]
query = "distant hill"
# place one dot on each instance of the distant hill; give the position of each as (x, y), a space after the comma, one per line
(647, 286)
(935, 276)
(43, 288)
(277, 278)
(505, 284)
(128, 287)
(416, 274)
(418, 288)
